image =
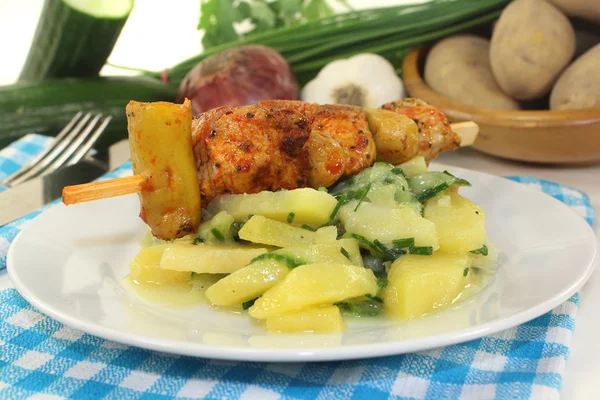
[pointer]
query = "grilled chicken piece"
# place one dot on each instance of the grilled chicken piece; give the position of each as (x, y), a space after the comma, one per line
(340, 142)
(250, 149)
(435, 134)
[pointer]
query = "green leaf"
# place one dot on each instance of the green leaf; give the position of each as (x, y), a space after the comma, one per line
(216, 19)
(262, 15)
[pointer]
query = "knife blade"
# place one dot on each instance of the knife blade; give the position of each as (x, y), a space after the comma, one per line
(29, 196)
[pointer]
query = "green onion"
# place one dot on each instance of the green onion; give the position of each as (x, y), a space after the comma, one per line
(466, 271)
(429, 193)
(290, 217)
(217, 234)
(343, 199)
(308, 228)
(483, 251)
(387, 253)
(345, 253)
(388, 31)
(323, 189)
(197, 240)
(364, 193)
(364, 241)
(403, 243)
(421, 251)
(247, 304)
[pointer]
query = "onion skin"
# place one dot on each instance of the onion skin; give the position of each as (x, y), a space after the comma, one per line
(238, 76)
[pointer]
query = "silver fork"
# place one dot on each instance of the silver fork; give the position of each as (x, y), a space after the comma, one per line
(70, 146)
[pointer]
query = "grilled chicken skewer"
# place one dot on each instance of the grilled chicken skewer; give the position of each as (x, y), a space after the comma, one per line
(268, 146)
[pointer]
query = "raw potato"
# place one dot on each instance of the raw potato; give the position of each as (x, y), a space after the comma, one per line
(312, 285)
(417, 285)
(586, 9)
(531, 44)
(579, 85)
(317, 319)
(460, 223)
(459, 68)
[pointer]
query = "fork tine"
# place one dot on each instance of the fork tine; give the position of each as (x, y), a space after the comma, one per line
(58, 149)
(44, 152)
(83, 150)
(73, 147)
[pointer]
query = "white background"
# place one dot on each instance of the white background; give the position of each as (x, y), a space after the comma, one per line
(159, 34)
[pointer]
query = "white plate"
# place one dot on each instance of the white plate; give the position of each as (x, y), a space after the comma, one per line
(70, 262)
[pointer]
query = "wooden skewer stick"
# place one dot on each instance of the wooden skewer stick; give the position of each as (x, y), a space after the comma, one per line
(103, 189)
(133, 184)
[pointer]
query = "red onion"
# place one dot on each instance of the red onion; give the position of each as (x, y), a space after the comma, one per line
(238, 76)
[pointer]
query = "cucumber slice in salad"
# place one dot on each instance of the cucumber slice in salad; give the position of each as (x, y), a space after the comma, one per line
(424, 186)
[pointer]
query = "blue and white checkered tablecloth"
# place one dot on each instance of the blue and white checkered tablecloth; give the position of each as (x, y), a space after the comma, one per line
(41, 358)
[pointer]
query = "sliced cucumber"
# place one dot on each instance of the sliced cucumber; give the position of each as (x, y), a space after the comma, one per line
(74, 38)
(45, 107)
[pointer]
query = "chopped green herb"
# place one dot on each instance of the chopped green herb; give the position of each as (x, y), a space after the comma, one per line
(377, 299)
(466, 272)
(250, 216)
(429, 193)
(382, 282)
(398, 171)
(290, 217)
(387, 253)
(343, 199)
(403, 243)
(280, 258)
(388, 180)
(366, 307)
(345, 253)
(483, 251)
(323, 189)
(217, 234)
(247, 304)
(364, 193)
(308, 228)
(192, 277)
(364, 241)
(197, 240)
(421, 251)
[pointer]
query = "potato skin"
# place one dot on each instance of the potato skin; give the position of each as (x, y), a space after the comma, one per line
(531, 44)
(586, 9)
(459, 67)
(579, 85)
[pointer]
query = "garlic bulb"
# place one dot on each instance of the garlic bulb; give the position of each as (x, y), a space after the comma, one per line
(366, 80)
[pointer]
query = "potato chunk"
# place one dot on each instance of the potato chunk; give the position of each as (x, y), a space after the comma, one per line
(270, 232)
(316, 319)
(205, 259)
(247, 283)
(160, 139)
(387, 224)
(459, 222)
(418, 285)
(255, 279)
(312, 285)
(145, 268)
(309, 206)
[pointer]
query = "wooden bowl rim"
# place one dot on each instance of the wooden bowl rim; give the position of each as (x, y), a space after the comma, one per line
(416, 86)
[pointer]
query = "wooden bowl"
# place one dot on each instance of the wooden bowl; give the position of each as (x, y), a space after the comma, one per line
(540, 136)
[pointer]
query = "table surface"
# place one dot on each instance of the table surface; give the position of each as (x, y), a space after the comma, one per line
(180, 39)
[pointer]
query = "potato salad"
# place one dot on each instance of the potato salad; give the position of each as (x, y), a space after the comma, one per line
(394, 241)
